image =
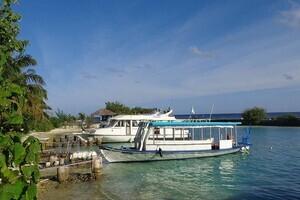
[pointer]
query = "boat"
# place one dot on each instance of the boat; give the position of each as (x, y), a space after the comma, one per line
(205, 139)
(123, 128)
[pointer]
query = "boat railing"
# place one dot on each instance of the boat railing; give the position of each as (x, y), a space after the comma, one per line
(218, 134)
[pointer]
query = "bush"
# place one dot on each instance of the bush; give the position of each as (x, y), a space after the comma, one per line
(284, 120)
(44, 125)
(254, 116)
(120, 108)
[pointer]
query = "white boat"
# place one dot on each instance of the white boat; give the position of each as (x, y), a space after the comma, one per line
(123, 128)
(205, 139)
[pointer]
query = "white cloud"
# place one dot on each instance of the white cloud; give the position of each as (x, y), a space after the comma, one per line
(255, 58)
(291, 17)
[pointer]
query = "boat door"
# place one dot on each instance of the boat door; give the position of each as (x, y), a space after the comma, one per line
(135, 126)
(127, 127)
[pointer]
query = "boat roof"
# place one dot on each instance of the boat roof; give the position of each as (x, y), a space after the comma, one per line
(192, 124)
(142, 117)
(149, 117)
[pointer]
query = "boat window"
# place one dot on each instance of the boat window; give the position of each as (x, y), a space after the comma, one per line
(120, 124)
(156, 131)
(111, 123)
(135, 123)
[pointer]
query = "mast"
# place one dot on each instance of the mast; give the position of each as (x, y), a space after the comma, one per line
(192, 112)
(211, 111)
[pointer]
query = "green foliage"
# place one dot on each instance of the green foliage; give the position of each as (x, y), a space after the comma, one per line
(254, 116)
(88, 121)
(12, 191)
(284, 120)
(21, 99)
(287, 118)
(42, 125)
(22, 96)
(120, 108)
(139, 110)
(55, 122)
(62, 119)
(81, 116)
(18, 166)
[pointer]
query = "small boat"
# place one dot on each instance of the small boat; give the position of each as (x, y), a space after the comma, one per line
(156, 141)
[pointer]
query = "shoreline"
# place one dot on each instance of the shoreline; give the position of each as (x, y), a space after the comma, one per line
(53, 133)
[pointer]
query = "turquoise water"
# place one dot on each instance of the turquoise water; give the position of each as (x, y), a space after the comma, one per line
(270, 171)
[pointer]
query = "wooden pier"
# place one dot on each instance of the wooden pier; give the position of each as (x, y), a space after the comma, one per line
(68, 154)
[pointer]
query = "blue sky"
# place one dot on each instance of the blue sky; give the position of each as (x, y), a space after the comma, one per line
(233, 54)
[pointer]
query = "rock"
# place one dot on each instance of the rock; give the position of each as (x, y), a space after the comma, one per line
(56, 163)
(47, 164)
(53, 158)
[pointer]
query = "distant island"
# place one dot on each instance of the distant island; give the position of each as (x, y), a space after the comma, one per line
(252, 116)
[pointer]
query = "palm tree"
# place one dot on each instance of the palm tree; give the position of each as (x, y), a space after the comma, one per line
(81, 117)
(20, 72)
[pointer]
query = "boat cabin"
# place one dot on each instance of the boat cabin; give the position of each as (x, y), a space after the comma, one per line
(186, 136)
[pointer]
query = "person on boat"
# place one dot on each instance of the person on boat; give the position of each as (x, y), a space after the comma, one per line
(228, 137)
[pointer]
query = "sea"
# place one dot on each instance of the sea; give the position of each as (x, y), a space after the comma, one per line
(270, 171)
(235, 116)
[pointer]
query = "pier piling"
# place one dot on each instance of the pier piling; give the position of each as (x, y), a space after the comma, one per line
(96, 166)
(61, 161)
(62, 174)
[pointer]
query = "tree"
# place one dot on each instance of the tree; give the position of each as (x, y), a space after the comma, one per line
(254, 116)
(139, 110)
(120, 108)
(81, 116)
(88, 121)
(17, 69)
(287, 120)
(19, 171)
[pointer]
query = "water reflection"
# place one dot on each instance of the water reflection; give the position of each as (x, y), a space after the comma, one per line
(262, 174)
(226, 166)
(183, 179)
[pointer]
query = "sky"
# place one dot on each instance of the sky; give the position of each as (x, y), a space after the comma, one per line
(230, 54)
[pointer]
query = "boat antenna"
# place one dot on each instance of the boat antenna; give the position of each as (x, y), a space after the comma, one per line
(192, 112)
(211, 111)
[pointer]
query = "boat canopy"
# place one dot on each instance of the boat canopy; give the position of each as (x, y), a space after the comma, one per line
(192, 124)
(147, 117)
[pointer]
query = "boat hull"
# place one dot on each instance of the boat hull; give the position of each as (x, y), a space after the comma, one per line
(117, 138)
(118, 155)
(109, 138)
